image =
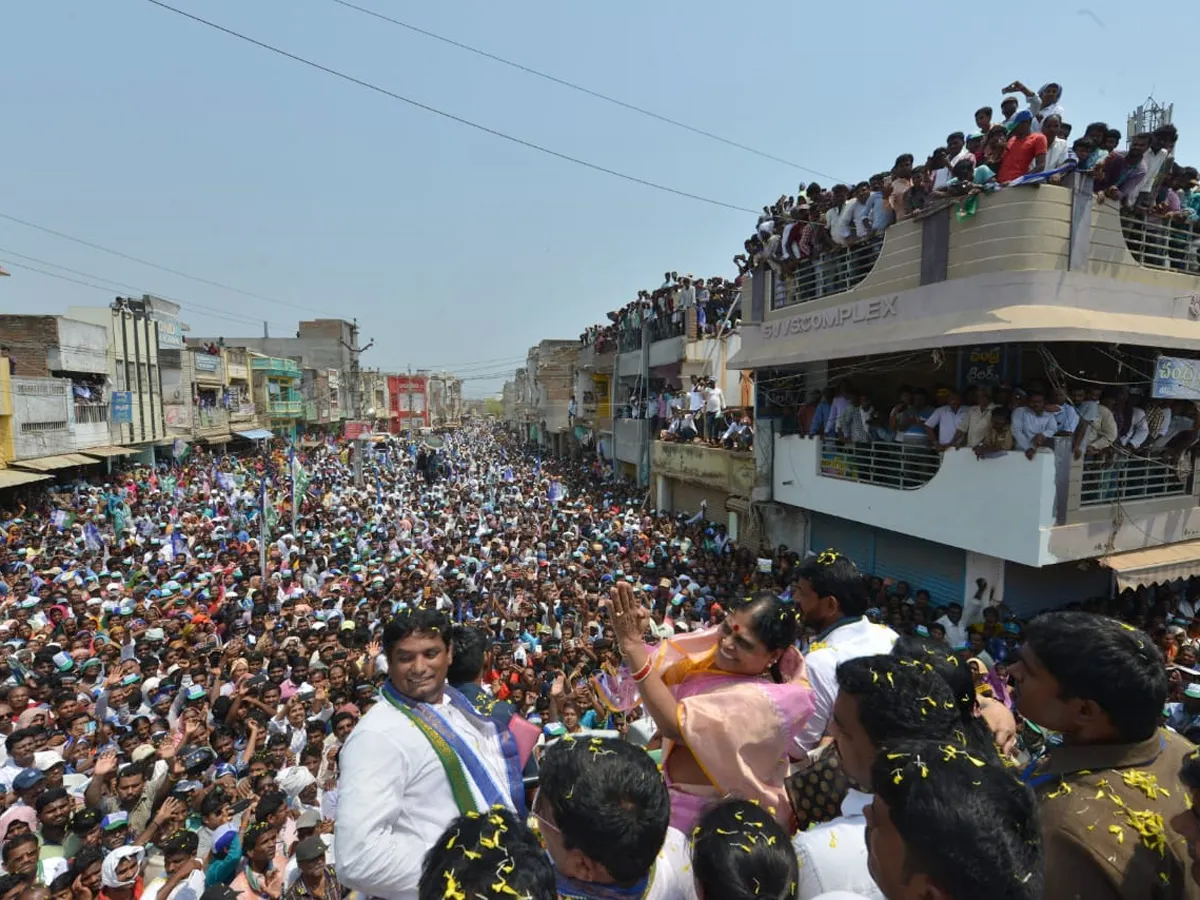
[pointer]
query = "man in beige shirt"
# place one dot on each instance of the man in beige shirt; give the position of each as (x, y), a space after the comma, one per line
(1102, 431)
(979, 417)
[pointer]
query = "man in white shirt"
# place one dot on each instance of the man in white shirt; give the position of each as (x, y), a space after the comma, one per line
(714, 402)
(1035, 427)
(417, 760)
(943, 426)
(880, 699)
(603, 810)
(833, 596)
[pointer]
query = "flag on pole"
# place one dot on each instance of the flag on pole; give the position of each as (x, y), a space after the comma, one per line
(556, 492)
(180, 449)
(61, 519)
(179, 545)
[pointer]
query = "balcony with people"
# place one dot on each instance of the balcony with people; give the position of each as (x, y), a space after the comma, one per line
(1011, 227)
(1038, 453)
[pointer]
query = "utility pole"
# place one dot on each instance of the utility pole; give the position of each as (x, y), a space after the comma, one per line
(355, 374)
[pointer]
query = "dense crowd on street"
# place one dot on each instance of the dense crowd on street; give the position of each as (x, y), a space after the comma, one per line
(472, 671)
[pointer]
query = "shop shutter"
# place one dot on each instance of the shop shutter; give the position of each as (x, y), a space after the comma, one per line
(852, 539)
(686, 498)
(937, 568)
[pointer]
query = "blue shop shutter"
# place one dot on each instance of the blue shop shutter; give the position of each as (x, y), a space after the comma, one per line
(937, 568)
(852, 539)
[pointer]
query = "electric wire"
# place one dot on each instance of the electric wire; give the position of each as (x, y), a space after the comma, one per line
(161, 268)
(183, 304)
(581, 89)
(328, 70)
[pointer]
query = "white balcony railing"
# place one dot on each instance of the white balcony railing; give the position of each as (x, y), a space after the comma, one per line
(888, 464)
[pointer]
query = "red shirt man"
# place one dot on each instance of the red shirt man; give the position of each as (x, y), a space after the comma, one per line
(1026, 150)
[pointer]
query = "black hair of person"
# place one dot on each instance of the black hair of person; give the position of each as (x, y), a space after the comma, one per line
(773, 622)
(62, 882)
(470, 652)
(1114, 665)
(17, 840)
(505, 860)
(9, 882)
(836, 576)
(214, 801)
(739, 852)
(416, 621)
(609, 801)
(898, 699)
(270, 803)
(1189, 772)
(969, 825)
(19, 735)
(50, 796)
(339, 717)
(180, 841)
(959, 679)
(84, 821)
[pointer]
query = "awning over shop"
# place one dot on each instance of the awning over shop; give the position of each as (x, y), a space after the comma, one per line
(217, 439)
(255, 434)
(105, 452)
(1156, 565)
(50, 463)
(13, 477)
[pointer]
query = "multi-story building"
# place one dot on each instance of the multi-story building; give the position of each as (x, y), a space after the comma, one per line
(135, 377)
(211, 397)
(549, 385)
(277, 394)
(445, 400)
(318, 344)
(659, 359)
(408, 402)
(1046, 288)
(243, 415)
(61, 391)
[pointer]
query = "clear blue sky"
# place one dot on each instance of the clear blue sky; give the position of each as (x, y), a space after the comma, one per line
(140, 130)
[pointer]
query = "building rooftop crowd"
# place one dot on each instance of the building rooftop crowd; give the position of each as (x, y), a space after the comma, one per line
(827, 238)
(665, 309)
(181, 723)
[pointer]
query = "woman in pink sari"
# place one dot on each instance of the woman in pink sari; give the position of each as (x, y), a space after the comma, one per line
(727, 702)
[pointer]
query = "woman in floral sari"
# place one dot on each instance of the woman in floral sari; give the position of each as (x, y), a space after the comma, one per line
(727, 702)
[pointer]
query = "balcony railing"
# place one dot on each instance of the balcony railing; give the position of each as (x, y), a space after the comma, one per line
(834, 272)
(1130, 478)
(904, 467)
(91, 413)
(209, 419)
(276, 367)
(1158, 243)
(284, 409)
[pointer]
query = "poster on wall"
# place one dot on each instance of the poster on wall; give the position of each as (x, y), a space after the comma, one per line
(121, 408)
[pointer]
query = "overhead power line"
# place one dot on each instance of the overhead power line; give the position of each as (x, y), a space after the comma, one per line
(119, 285)
(581, 89)
(161, 268)
(445, 115)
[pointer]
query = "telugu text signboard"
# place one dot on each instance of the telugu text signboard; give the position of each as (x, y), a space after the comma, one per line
(1176, 378)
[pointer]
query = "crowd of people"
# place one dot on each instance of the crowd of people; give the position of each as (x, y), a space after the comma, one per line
(665, 310)
(472, 671)
(1101, 422)
(826, 240)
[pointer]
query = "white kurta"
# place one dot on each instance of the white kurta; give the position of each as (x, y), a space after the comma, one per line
(394, 800)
